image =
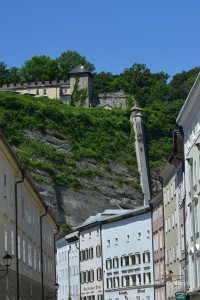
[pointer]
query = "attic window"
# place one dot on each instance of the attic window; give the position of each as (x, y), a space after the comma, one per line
(81, 67)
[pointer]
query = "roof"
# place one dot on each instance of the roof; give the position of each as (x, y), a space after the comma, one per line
(111, 216)
(79, 69)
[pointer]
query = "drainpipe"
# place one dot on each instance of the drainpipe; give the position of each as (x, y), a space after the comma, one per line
(41, 252)
(102, 271)
(69, 292)
(16, 229)
(55, 251)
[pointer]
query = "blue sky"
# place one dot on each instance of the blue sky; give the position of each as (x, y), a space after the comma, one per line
(111, 34)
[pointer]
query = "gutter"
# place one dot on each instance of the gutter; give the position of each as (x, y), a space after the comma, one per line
(16, 229)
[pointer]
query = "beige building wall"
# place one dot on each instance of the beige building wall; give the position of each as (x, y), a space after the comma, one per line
(30, 208)
(171, 230)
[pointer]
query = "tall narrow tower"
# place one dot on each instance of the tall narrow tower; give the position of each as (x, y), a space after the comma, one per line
(84, 77)
(141, 151)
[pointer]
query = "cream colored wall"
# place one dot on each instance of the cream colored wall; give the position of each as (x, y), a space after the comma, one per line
(51, 92)
(28, 228)
(171, 234)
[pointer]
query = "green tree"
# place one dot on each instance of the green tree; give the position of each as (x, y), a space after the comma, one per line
(3, 72)
(139, 81)
(39, 68)
(68, 60)
(102, 82)
(13, 75)
(181, 83)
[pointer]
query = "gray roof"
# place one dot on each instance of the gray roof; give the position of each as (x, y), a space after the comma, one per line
(111, 214)
(79, 69)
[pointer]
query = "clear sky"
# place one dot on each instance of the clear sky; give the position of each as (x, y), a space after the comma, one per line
(111, 34)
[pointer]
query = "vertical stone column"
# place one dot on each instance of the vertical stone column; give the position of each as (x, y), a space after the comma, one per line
(141, 152)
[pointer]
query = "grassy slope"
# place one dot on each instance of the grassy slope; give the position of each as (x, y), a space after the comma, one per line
(100, 134)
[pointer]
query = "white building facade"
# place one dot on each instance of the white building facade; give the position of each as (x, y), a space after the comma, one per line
(90, 263)
(68, 275)
(127, 256)
(189, 120)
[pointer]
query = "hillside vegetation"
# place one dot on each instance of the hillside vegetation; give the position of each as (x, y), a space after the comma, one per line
(98, 134)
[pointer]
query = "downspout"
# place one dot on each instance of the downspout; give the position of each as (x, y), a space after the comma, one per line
(55, 252)
(164, 241)
(69, 292)
(41, 252)
(16, 230)
(152, 240)
(100, 227)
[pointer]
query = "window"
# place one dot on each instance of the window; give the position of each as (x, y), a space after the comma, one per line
(115, 262)
(18, 247)
(146, 257)
(137, 258)
(169, 223)
(82, 277)
(138, 279)
(24, 251)
(124, 261)
(139, 236)
(82, 255)
(91, 253)
(109, 283)
(148, 233)
(35, 260)
(12, 243)
(99, 274)
(132, 259)
(91, 275)
(86, 254)
(39, 263)
(116, 282)
(5, 238)
(109, 263)
(5, 185)
(87, 276)
(125, 280)
(196, 217)
(161, 238)
(166, 226)
(116, 241)
(29, 255)
(147, 278)
(98, 250)
(132, 279)
(44, 91)
(108, 243)
(37, 92)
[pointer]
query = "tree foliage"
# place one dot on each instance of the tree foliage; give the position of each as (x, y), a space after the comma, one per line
(68, 60)
(39, 68)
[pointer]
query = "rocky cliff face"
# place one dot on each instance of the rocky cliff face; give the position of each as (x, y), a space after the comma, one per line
(113, 186)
